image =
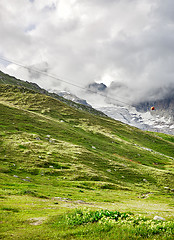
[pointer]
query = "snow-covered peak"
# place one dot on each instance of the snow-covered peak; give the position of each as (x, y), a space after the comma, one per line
(143, 120)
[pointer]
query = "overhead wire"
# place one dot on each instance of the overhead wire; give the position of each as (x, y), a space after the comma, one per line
(60, 79)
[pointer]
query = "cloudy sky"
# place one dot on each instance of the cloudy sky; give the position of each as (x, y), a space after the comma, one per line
(126, 44)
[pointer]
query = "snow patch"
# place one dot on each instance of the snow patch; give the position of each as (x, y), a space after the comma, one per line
(143, 120)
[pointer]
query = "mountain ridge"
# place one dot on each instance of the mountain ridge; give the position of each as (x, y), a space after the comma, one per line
(137, 115)
(6, 79)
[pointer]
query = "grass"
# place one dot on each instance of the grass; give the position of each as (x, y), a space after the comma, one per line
(79, 223)
(106, 221)
(58, 163)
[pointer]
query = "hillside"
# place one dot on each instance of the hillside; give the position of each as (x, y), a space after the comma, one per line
(6, 79)
(55, 157)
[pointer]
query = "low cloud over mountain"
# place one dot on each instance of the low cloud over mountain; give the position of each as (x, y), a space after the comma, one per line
(127, 45)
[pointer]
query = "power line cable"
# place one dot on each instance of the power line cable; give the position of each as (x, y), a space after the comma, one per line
(60, 79)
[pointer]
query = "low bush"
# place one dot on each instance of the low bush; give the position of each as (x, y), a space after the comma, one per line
(126, 223)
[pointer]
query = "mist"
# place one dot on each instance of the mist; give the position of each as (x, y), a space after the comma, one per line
(125, 44)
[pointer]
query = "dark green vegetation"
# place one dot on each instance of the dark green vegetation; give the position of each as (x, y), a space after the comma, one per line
(55, 158)
(112, 221)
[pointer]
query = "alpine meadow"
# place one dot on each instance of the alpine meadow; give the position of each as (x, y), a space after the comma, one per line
(67, 171)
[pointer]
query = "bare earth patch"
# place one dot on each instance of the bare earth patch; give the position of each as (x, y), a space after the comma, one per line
(37, 221)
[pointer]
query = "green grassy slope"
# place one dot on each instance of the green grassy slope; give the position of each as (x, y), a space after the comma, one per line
(54, 157)
(6, 79)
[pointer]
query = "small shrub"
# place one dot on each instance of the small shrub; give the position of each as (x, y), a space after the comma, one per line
(9, 209)
(22, 147)
(79, 217)
(33, 194)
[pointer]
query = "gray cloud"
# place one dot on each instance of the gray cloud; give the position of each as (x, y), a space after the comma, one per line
(125, 43)
(36, 70)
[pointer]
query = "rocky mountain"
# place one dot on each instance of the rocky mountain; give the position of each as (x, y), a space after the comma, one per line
(141, 115)
(95, 87)
(164, 108)
(70, 96)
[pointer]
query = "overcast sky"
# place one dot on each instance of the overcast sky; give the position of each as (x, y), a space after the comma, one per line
(126, 44)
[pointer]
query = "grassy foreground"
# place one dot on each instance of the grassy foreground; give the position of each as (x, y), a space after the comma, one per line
(69, 174)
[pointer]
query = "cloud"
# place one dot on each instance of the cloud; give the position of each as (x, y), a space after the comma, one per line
(126, 44)
(36, 70)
